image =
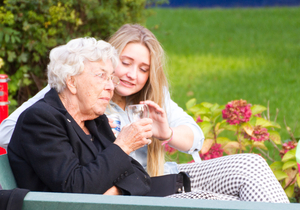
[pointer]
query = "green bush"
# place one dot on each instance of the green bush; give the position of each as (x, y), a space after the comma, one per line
(29, 29)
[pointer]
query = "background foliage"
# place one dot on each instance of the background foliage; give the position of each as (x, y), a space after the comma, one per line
(219, 55)
(29, 29)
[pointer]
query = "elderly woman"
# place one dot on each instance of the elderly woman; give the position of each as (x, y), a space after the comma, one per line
(63, 143)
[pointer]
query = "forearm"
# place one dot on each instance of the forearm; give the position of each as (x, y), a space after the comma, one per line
(183, 138)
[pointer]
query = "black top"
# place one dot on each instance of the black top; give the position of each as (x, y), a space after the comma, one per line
(48, 151)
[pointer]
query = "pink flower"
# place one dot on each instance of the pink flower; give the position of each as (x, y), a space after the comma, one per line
(169, 150)
(237, 112)
(259, 134)
(287, 147)
(214, 152)
(199, 119)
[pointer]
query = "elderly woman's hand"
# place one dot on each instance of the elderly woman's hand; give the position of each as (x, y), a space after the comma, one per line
(135, 135)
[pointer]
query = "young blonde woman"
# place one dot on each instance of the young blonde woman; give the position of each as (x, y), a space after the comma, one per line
(245, 177)
(142, 79)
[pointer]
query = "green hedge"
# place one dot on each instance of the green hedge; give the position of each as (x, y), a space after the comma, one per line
(29, 29)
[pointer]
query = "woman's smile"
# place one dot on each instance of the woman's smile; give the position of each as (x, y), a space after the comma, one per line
(126, 83)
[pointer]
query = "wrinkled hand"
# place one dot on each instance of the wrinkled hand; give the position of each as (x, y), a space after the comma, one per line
(160, 127)
(135, 135)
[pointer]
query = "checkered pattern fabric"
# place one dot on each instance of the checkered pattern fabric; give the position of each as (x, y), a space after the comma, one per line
(243, 177)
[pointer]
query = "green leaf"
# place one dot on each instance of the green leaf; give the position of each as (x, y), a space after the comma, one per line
(290, 191)
(263, 122)
(232, 147)
(216, 113)
(291, 172)
(201, 110)
(6, 38)
(274, 136)
(298, 154)
(226, 126)
(23, 57)
(257, 109)
(248, 128)
(205, 127)
(261, 145)
(223, 140)
(206, 104)
(1, 36)
(289, 164)
(207, 144)
(206, 119)
(289, 155)
(280, 175)
(12, 39)
(11, 56)
(252, 121)
(277, 165)
(247, 142)
(190, 103)
(195, 108)
(214, 107)
(275, 124)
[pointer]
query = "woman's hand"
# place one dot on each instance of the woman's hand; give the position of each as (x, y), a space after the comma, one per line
(160, 127)
(135, 135)
(111, 122)
(112, 125)
(113, 191)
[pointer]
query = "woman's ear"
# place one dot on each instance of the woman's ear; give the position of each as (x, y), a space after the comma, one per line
(71, 84)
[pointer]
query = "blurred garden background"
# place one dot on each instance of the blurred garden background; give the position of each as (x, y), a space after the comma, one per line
(216, 53)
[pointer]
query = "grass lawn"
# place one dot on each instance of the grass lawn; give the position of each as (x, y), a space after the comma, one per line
(219, 55)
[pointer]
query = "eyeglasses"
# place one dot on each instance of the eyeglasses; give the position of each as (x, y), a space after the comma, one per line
(104, 77)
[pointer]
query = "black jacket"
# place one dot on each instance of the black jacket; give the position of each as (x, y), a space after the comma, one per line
(50, 152)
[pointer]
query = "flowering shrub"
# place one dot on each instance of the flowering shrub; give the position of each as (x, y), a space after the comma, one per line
(247, 131)
(287, 172)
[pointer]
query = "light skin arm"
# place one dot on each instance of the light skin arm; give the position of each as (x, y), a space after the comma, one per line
(183, 135)
(113, 191)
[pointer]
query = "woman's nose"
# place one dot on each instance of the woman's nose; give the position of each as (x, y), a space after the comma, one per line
(109, 85)
(132, 72)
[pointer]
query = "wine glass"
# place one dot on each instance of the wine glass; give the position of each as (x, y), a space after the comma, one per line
(137, 111)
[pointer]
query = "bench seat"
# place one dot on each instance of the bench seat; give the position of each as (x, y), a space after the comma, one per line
(73, 201)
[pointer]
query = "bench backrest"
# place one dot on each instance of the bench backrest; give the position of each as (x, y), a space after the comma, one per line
(7, 179)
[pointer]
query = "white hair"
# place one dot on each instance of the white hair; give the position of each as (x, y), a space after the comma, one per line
(68, 60)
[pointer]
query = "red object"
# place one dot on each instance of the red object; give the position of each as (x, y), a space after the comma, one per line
(3, 102)
(2, 151)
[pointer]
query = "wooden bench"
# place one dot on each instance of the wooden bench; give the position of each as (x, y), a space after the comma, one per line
(72, 201)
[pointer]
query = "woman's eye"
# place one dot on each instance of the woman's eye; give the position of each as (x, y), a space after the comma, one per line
(125, 63)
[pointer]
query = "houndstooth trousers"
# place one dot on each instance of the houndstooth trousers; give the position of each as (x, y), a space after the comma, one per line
(242, 177)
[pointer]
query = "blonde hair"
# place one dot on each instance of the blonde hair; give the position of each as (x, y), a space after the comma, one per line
(154, 87)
